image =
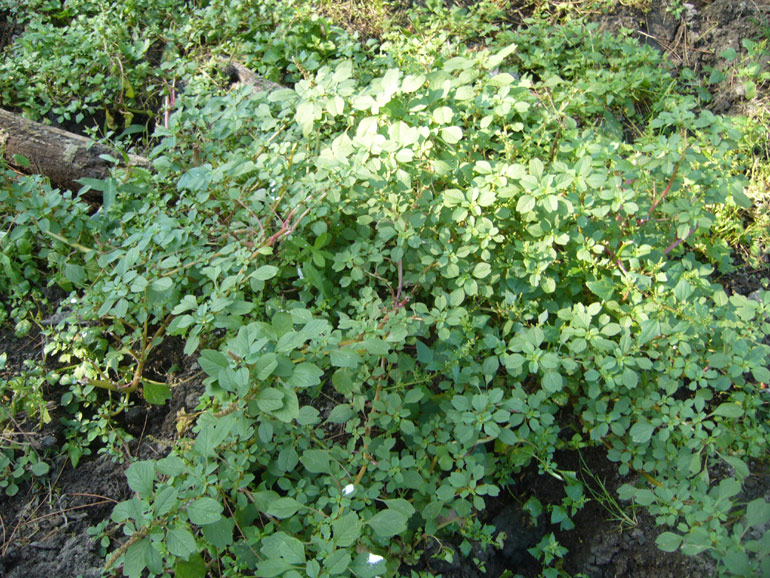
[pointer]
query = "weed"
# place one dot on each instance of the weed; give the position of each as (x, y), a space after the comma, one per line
(597, 488)
(480, 254)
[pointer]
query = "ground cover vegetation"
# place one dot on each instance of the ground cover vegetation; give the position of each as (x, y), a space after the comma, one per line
(436, 259)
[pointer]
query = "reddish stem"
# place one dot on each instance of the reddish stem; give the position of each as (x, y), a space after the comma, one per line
(678, 242)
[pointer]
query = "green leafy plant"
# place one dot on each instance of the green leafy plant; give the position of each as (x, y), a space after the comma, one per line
(406, 281)
(18, 464)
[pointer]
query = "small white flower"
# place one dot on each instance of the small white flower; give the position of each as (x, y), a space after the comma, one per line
(349, 489)
(374, 559)
(299, 273)
(73, 300)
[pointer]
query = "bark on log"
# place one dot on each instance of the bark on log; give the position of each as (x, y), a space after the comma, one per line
(65, 157)
(62, 156)
(239, 74)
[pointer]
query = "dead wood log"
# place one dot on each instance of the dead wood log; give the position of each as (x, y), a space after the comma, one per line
(62, 156)
(65, 157)
(239, 74)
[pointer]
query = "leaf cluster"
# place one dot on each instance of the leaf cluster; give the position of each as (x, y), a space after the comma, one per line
(406, 282)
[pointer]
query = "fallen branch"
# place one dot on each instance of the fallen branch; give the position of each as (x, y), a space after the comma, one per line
(62, 156)
(65, 157)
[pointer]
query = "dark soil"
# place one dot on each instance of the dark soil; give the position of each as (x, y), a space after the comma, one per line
(44, 528)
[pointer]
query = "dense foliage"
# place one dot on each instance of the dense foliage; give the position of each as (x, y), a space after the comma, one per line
(418, 272)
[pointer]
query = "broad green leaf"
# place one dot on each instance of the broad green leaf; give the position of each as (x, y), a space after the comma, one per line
(668, 541)
(305, 117)
(156, 393)
(342, 380)
(154, 559)
(165, 500)
(497, 59)
(453, 197)
(40, 468)
(308, 415)
(131, 509)
(287, 459)
(135, 560)
(641, 432)
(412, 83)
(341, 413)
(604, 288)
(729, 410)
(649, 329)
(337, 562)
(204, 511)
(141, 477)
(443, 115)
(740, 467)
(644, 497)
(761, 374)
(388, 523)
(335, 105)
(290, 409)
(400, 505)
(728, 488)
(171, 465)
(342, 147)
(265, 272)
(536, 167)
(195, 567)
(525, 204)
(552, 381)
(490, 366)
(376, 346)
(464, 92)
(630, 378)
(283, 508)
(180, 542)
(305, 375)
(272, 567)
(391, 82)
(757, 513)
(281, 545)
(74, 273)
(482, 270)
(344, 357)
(270, 399)
(424, 353)
(738, 562)
(265, 365)
(192, 343)
(415, 395)
(219, 533)
(139, 284)
(195, 179)
(405, 155)
(212, 434)
(683, 289)
(289, 341)
(346, 530)
(24, 163)
(458, 63)
(316, 461)
(697, 541)
(262, 500)
(367, 565)
(452, 134)
(162, 284)
(212, 362)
